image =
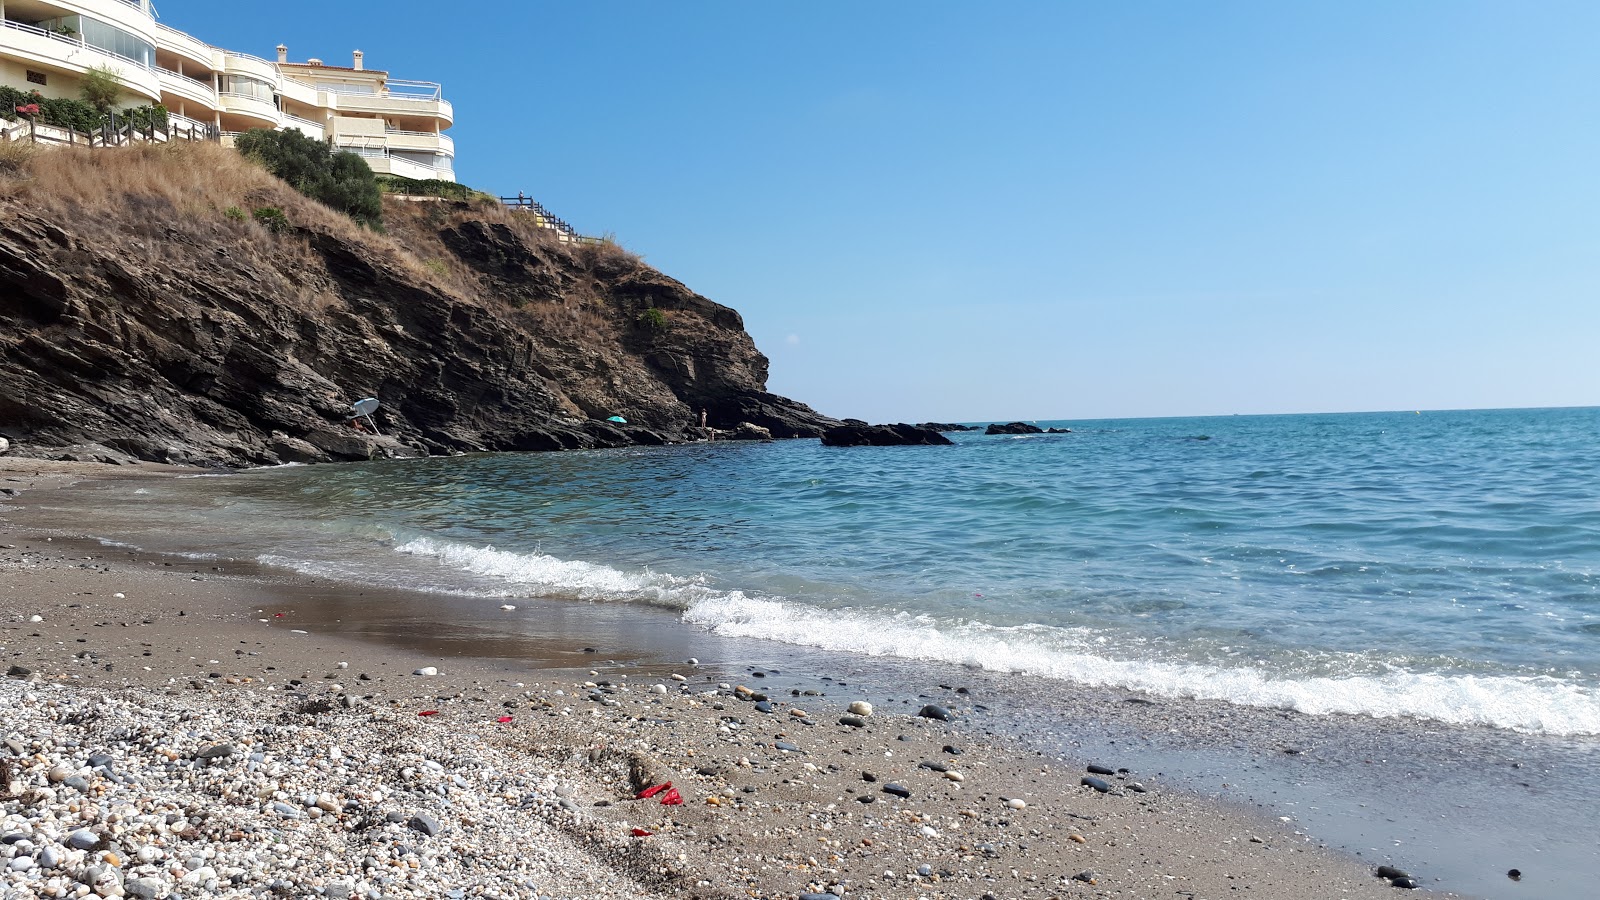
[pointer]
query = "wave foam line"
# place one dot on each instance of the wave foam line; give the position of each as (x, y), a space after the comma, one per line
(567, 578)
(1533, 704)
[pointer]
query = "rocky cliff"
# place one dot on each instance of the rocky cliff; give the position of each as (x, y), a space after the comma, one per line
(143, 308)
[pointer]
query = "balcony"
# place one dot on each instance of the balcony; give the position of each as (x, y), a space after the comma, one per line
(191, 89)
(383, 163)
(310, 129)
(197, 51)
(419, 140)
(254, 108)
(51, 51)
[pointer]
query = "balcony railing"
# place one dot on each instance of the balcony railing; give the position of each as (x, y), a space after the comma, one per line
(205, 84)
(75, 42)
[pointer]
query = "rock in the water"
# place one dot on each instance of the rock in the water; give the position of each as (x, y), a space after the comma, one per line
(749, 432)
(1014, 428)
(1404, 882)
(424, 823)
(899, 435)
(897, 789)
(934, 711)
(945, 426)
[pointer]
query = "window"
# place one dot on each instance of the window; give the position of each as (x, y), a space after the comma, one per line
(105, 37)
(245, 86)
(36, 77)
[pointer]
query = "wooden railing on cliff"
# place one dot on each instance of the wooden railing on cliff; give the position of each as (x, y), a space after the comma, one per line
(107, 135)
(545, 219)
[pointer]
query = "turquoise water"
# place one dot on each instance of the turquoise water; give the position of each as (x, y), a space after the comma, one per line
(1443, 565)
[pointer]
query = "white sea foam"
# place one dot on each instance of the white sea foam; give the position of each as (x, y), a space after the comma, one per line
(1530, 704)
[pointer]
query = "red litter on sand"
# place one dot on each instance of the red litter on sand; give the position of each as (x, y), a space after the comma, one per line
(640, 832)
(671, 798)
(429, 712)
(503, 719)
(649, 792)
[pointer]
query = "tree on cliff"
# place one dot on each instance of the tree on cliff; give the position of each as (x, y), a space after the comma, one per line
(340, 179)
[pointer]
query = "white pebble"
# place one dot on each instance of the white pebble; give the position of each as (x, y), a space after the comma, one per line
(120, 596)
(861, 708)
(427, 670)
(1017, 803)
(36, 618)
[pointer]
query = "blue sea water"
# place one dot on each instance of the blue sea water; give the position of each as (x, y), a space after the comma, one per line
(1441, 565)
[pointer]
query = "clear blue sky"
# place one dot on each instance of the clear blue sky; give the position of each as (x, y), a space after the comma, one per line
(963, 211)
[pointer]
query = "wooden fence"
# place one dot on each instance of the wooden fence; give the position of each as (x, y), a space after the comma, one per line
(546, 219)
(108, 135)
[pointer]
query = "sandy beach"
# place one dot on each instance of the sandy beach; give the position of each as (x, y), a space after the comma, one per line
(175, 730)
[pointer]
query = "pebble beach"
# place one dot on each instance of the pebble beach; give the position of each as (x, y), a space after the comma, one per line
(172, 732)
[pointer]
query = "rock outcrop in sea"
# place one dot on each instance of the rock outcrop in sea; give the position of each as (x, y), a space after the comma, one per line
(143, 312)
(853, 434)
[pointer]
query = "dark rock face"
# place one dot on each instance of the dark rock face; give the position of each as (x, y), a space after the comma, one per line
(946, 426)
(1058, 431)
(1014, 428)
(232, 347)
(881, 436)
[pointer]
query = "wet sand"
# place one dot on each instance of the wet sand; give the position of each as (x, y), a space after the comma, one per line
(773, 801)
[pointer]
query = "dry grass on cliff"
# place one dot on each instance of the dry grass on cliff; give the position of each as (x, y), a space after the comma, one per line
(163, 191)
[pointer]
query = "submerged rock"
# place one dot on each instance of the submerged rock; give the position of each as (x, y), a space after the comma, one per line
(882, 436)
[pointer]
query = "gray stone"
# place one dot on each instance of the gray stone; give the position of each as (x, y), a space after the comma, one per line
(216, 751)
(897, 789)
(83, 839)
(934, 711)
(424, 823)
(285, 810)
(99, 759)
(853, 721)
(146, 888)
(79, 783)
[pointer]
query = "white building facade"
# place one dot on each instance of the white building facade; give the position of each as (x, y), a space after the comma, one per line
(398, 126)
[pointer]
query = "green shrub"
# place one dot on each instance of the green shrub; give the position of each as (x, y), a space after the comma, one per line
(652, 320)
(100, 89)
(234, 213)
(436, 266)
(272, 219)
(423, 187)
(341, 180)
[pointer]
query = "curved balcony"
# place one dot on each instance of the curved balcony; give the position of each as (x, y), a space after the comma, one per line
(129, 16)
(189, 89)
(190, 48)
(261, 112)
(58, 52)
(253, 66)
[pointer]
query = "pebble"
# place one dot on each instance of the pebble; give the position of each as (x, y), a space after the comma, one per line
(658, 689)
(1095, 769)
(860, 708)
(897, 789)
(934, 711)
(1016, 803)
(764, 706)
(83, 839)
(427, 670)
(1087, 876)
(424, 823)
(1099, 784)
(853, 721)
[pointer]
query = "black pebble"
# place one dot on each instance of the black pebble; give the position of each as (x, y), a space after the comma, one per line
(1098, 784)
(1095, 769)
(899, 790)
(1514, 874)
(1391, 872)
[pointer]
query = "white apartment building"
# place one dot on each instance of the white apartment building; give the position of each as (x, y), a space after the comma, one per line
(398, 126)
